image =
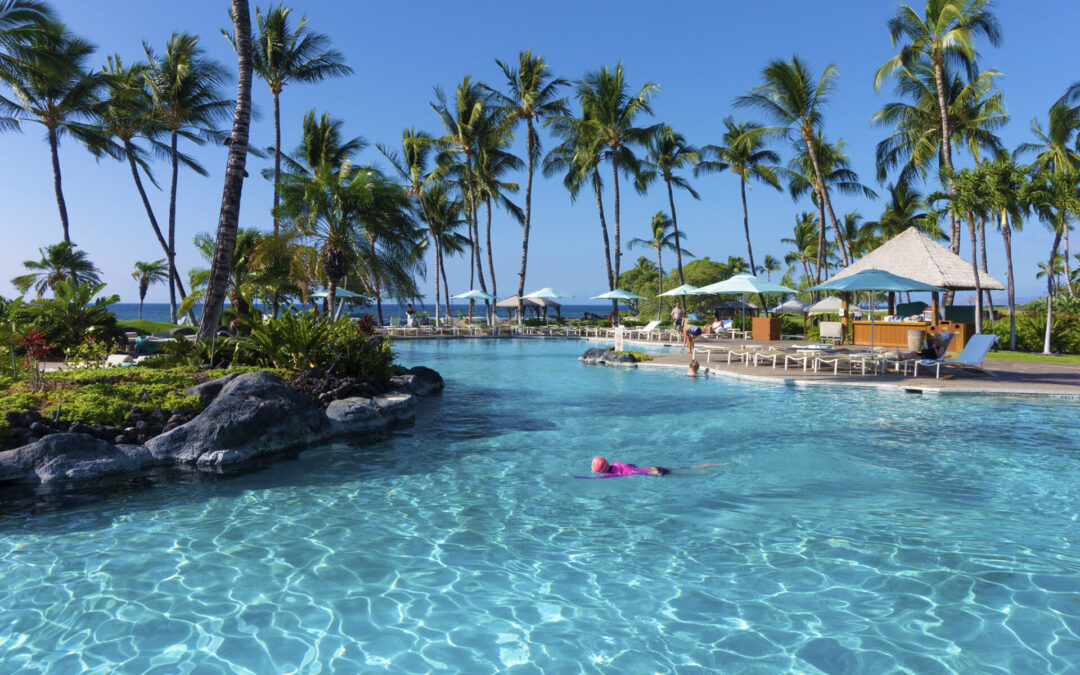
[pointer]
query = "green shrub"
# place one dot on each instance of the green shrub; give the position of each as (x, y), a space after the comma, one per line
(351, 352)
(76, 312)
(1031, 329)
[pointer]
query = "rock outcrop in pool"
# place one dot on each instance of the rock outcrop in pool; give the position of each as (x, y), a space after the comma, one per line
(607, 357)
(246, 416)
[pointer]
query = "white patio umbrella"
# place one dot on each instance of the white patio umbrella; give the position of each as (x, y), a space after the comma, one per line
(342, 294)
(685, 289)
(545, 293)
(617, 294)
(473, 295)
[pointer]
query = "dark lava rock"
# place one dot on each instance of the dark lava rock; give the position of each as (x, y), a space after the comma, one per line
(207, 391)
(604, 357)
(255, 414)
(70, 457)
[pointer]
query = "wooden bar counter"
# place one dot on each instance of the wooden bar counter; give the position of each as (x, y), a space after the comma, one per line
(887, 333)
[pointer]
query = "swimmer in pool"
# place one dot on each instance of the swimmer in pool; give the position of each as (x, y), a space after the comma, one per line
(622, 469)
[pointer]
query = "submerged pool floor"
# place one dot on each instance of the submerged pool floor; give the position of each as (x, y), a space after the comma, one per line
(848, 531)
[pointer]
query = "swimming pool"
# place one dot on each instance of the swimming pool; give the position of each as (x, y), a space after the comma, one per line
(850, 531)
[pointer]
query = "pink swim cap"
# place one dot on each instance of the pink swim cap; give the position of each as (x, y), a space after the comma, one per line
(599, 464)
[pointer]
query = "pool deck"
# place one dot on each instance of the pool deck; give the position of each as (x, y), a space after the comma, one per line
(1011, 378)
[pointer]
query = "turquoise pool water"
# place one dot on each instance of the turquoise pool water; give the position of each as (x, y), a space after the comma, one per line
(850, 531)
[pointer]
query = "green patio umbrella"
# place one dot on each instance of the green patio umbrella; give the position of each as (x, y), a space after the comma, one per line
(874, 280)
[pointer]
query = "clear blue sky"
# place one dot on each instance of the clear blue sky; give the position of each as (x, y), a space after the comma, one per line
(702, 54)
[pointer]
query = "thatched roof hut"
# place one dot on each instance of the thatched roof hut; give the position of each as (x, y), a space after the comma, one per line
(916, 256)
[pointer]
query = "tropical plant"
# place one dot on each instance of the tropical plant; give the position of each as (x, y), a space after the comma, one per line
(903, 210)
(147, 273)
(969, 200)
(790, 97)
(244, 270)
(663, 237)
(51, 85)
(769, 266)
(493, 161)
(75, 312)
(321, 145)
(668, 151)
(58, 262)
(294, 340)
(184, 86)
(531, 94)
(281, 54)
(610, 113)
(229, 216)
(944, 35)
(743, 152)
(804, 242)
(20, 21)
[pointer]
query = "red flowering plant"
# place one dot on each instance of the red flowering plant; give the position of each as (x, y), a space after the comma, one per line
(37, 350)
(367, 324)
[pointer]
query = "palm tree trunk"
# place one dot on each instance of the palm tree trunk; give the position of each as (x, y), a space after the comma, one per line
(277, 179)
(675, 229)
(229, 218)
(821, 234)
(825, 198)
(746, 222)
(982, 255)
(141, 297)
(1006, 234)
(1068, 272)
(438, 291)
(659, 281)
(1050, 289)
(54, 149)
(487, 234)
(603, 229)
(528, 220)
(975, 273)
(618, 242)
(172, 228)
(130, 151)
(946, 158)
(446, 286)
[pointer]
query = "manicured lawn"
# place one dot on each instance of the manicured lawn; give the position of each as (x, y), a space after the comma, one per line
(1028, 357)
(145, 327)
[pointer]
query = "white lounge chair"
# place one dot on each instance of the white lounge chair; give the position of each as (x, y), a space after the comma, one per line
(969, 359)
(644, 331)
(946, 340)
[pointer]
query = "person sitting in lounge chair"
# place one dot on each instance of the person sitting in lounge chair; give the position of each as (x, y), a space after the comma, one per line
(934, 349)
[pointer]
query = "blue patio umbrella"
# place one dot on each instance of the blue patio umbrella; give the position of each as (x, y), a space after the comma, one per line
(685, 289)
(473, 295)
(548, 293)
(874, 280)
(743, 284)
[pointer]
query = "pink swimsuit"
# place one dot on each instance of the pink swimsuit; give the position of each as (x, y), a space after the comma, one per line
(622, 469)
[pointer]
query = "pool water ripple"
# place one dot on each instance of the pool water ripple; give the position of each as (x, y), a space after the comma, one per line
(849, 531)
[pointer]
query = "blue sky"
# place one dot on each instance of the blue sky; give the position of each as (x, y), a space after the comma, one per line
(701, 54)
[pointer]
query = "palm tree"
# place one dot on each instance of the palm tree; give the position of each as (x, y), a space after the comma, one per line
(790, 97)
(444, 217)
(58, 262)
(244, 268)
(667, 152)
(804, 241)
(125, 117)
(229, 217)
(282, 54)
(147, 273)
(610, 113)
(52, 87)
(465, 124)
(412, 168)
(531, 94)
(321, 145)
(943, 36)
(904, 210)
(1005, 185)
(770, 265)
(1054, 154)
(20, 21)
(743, 152)
(579, 156)
(184, 85)
(492, 162)
(834, 166)
(970, 199)
(1053, 195)
(663, 237)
